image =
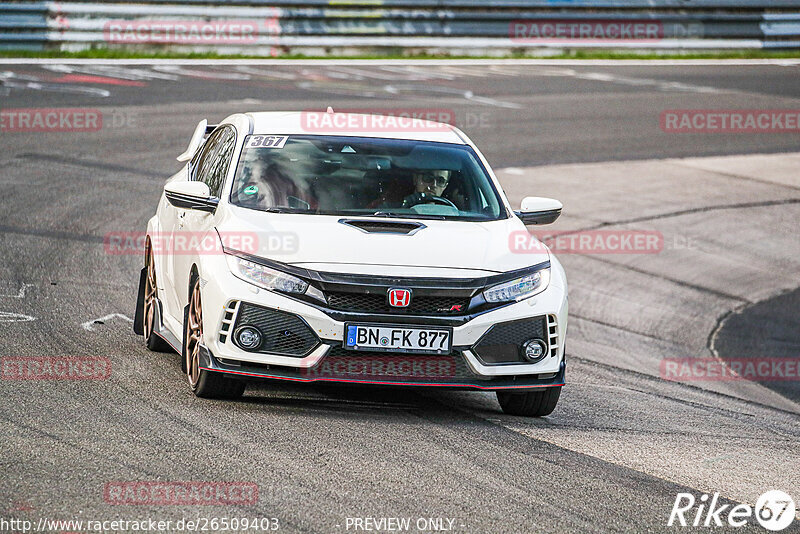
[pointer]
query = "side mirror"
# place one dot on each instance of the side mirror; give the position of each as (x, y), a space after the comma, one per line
(190, 196)
(539, 210)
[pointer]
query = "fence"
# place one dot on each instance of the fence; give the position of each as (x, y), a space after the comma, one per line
(454, 26)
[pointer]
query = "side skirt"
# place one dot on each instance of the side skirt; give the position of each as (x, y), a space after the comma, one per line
(161, 331)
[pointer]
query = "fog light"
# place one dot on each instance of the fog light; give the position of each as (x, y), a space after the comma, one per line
(248, 337)
(534, 350)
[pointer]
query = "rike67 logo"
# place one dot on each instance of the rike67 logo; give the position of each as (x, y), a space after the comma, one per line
(774, 510)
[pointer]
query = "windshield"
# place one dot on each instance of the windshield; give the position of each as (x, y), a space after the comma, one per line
(364, 176)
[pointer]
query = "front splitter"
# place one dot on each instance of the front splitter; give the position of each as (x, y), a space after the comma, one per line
(245, 370)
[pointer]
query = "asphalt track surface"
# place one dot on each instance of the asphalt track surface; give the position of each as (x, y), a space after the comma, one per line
(622, 442)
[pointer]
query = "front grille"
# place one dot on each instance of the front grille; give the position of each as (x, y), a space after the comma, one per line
(501, 344)
(283, 333)
(379, 303)
(395, 367)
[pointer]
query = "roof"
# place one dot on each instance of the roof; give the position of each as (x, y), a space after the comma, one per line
(403, 125)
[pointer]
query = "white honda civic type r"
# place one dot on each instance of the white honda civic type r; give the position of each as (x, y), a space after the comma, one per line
(359, 255)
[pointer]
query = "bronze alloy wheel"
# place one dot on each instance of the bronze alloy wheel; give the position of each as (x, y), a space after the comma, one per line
(153, 340)
(149, 296)
(194, 336)
(209, 384)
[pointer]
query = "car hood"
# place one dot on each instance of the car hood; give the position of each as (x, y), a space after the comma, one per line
(462, 249)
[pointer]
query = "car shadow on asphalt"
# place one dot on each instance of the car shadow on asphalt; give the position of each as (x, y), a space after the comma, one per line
(345, 397)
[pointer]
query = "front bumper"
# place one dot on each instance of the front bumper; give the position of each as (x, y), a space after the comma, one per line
(325, 360)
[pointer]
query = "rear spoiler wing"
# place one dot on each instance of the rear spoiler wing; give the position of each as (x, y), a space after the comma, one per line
(200, 133)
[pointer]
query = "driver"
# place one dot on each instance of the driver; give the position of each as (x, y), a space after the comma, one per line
(427, 184)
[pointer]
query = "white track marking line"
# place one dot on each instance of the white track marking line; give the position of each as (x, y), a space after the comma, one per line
(377, 75)
(21, 293)
(10, 80)
(344, 90)
(89, 325)
(112, 72)
(466, 94)
(491, 101)
(11, 317)
(462, 71)
(202, 74)
(417, 74)
(274, 74)
(505, 70)
(661, 85)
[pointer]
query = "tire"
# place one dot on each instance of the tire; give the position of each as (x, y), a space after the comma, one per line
(206, 384)
(536, 403)
(153, 341)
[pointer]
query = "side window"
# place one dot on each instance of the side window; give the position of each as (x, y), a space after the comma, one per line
(204, 154)
(218, 162)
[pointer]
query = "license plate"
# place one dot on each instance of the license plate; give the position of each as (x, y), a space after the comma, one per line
(398, 338)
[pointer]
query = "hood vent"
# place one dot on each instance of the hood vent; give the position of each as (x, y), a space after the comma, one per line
(371, 226)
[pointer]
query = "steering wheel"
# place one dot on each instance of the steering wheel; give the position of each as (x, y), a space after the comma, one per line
(425, 198)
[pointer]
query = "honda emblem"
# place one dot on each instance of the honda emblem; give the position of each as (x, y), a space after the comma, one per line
(399, 298)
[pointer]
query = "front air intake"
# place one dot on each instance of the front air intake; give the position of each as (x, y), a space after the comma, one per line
(502, 343)
(281, 333)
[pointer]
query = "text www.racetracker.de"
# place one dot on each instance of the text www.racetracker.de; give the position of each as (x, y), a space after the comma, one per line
(199, 524)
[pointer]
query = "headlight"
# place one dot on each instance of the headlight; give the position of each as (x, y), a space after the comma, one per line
(263, 276)
(519, 288)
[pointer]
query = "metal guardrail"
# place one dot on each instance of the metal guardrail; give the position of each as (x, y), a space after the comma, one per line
(280, 26)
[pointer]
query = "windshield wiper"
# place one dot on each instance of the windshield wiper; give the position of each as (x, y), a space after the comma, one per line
(381, 213)
(280, 209)
(408, 215)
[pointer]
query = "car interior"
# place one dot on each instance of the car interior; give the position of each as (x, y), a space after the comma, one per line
(306, 179)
